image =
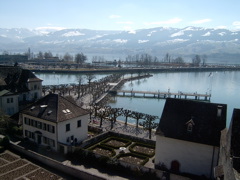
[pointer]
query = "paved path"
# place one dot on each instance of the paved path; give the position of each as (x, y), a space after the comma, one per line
(120, 127)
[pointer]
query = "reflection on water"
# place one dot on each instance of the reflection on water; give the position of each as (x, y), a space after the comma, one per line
(224, 87)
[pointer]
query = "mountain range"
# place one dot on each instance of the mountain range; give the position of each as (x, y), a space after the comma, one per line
(215, 43)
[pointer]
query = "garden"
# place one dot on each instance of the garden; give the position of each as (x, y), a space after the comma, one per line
(123, 149)
(116, 153)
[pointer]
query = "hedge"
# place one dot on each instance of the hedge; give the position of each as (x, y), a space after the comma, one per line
(126, 141)
(143, 145)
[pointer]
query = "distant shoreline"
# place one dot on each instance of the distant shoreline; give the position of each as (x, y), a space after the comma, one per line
(138, 70)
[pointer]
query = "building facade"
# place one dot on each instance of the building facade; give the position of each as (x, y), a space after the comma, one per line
(8, 102)
(188, 136)
(55, 122)
(21, 84)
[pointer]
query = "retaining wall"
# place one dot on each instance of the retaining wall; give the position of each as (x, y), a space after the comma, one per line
(55, 164)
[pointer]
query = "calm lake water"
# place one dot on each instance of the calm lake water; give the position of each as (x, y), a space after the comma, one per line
(224, 87)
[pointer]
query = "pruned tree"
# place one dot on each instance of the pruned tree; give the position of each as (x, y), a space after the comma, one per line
(137, 116)
(80, 81)
(90, 77)
(149, 124)
(114, 113)
(103, 113)
(127, 113)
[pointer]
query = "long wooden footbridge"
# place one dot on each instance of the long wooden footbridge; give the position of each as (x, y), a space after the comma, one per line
(163, 95)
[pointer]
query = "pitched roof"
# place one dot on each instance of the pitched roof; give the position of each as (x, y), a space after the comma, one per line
(194, 121)
(54, 108)
(235, 139)
(15, 79)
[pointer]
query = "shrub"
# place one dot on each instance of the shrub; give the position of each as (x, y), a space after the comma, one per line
(113, 153)
(144, 158)
(125, 141)
(5, 142)
(131, 149)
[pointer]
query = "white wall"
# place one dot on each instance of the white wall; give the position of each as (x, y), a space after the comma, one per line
(78, 132)
(38, 89)
(5, 106)
(45, 133)
(194, 158)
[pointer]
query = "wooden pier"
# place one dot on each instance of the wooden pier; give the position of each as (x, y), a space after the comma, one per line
(163, 95)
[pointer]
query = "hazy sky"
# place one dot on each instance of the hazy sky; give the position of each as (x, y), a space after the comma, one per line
(119, 14)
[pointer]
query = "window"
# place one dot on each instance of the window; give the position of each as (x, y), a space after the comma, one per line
(79, 123)
(39, 125)
(44, 126)
(9, 100)
(45, 140)
(67, 127)
(52, 129)
(189, 127)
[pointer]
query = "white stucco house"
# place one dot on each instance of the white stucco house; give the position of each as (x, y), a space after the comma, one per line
(8, 102)
(55, 122)
(21, 84)
(188, 136)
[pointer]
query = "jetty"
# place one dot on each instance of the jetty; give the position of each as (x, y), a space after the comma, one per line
(114, 90)
(163, 95)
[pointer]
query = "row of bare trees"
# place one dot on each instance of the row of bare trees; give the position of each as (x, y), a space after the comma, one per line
(111, 114)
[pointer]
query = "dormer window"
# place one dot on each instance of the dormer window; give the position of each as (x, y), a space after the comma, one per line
(190, 125)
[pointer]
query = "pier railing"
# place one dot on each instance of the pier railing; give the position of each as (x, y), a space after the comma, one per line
(163, 95)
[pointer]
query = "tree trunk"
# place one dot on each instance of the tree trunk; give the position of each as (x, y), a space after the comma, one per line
(101, 122)
(150, 133)
(126, 118)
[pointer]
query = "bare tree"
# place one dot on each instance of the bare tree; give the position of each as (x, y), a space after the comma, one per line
(127, 113)
(149, 124)
(80, 58)
(40, 55)
(48, 55)
(79, 80)
(137, 116)
(90, 77)
(103, 113)
(196, 60)
(114, 113)
(68, 57)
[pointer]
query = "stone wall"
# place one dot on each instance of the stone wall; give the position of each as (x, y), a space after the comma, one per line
(55, 164)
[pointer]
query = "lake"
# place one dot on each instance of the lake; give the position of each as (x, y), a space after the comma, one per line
(224, 87)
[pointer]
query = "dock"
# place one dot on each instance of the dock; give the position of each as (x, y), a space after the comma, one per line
(163, 95)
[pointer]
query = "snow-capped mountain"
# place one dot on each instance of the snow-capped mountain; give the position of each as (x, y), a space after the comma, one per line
(155, 41)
